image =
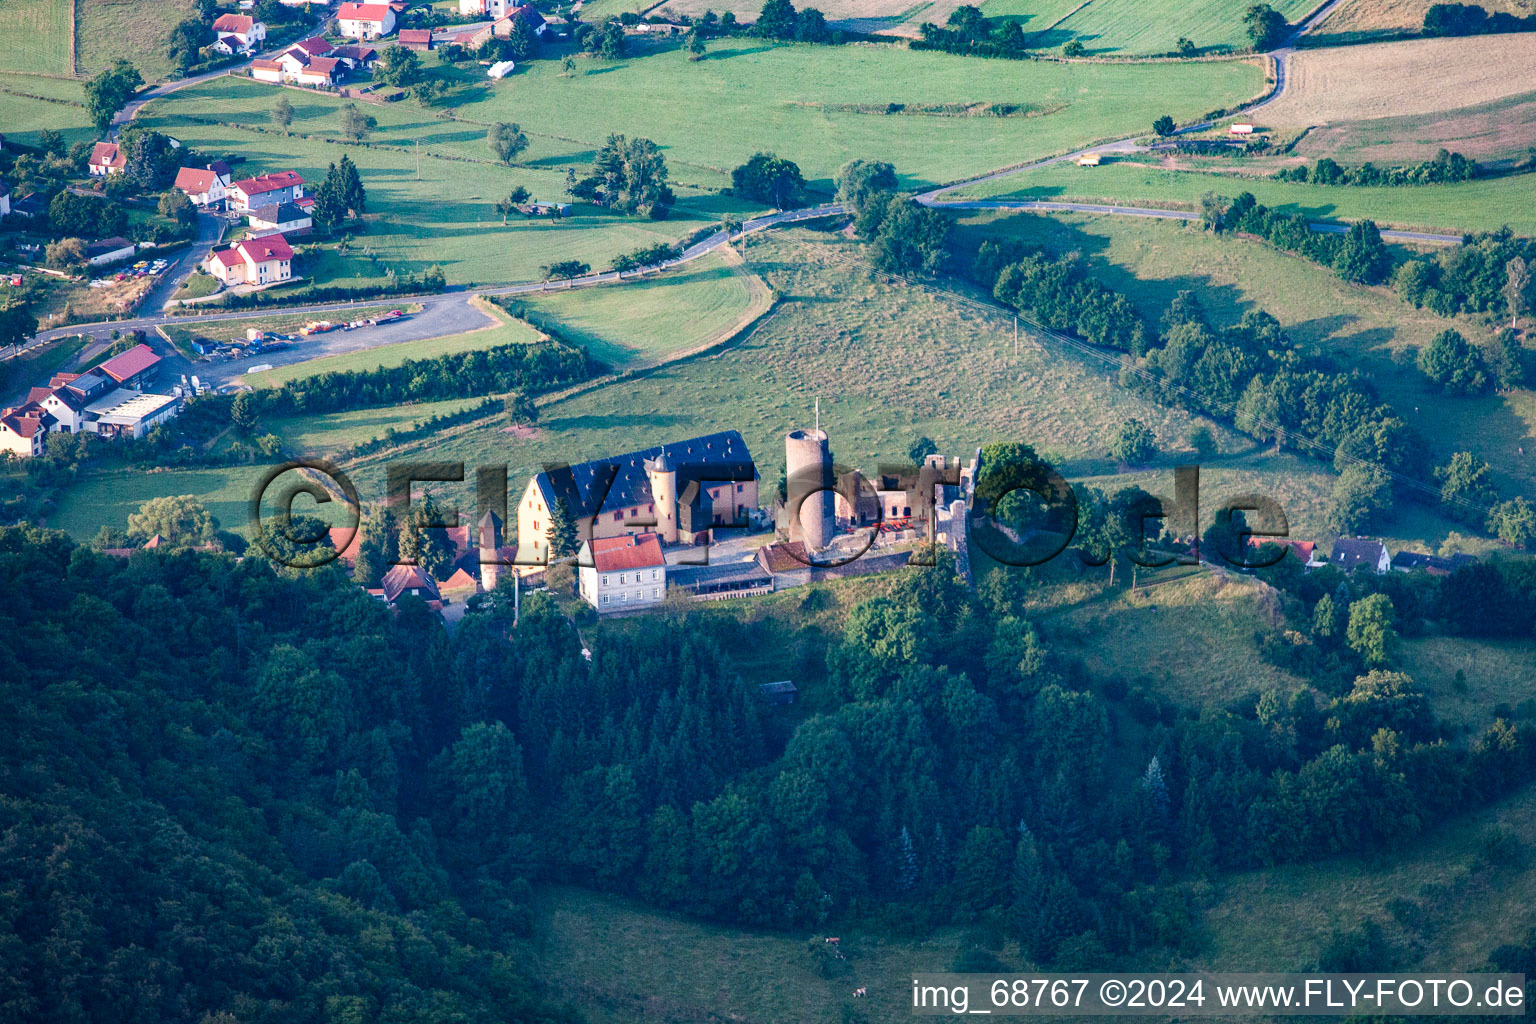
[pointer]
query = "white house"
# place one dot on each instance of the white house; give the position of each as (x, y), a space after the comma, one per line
(107, 158)
(256, 261)
(1351, 553)
(238, 33)
(325, 71)
(365, 21)
(280, 218)
(5, 199)
(267, 71)
(248, 194)
(205, 186)
(624, 572)
(23, 430)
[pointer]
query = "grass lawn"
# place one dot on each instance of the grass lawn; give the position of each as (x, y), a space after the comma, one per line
(199, 284)
(23, 114)
(35, 366)
(1484, 205)
(823, 105)
(1496, 672)
(643, 321)
(37, 36)
(1368, 328)
(447, 216)
(108, 498)
(1140, 26)
(344, 429)
(110, 29)
(1190, 639)
(510, 332)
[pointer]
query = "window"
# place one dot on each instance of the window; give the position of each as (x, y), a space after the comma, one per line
(535, 524)
(656, 592)
(605, 599)
(740, 488)
(618, 516)
(605, 581)
(624, 597)
(621, 579)
(654, 572)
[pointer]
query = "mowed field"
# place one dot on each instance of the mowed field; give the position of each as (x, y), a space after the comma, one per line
(1416, 76)
(1155, 26)
(24, 114)
(821, 106)
(36, 36)
(446, 216)
(1368, 328)
(640, 322)
(1479, 205)
(129, 29)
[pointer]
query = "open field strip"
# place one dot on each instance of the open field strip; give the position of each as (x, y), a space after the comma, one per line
(109, 30)
(1155, 26)
(1365, 18)
(1499, 133)
(640, 322)
(1389, 79)
(808, 104)
(23, 115)
(36, 36)
(1480, 205)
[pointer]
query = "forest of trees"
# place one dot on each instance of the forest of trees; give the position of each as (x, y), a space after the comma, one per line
(234, 789)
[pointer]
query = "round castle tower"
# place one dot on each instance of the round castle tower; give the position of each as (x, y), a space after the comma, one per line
(808, 473)
(663, 477)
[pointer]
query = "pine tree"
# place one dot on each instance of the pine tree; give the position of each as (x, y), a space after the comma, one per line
(563, 538)
(428, 547)
(1157, 788)
(352, 191)
(330, 207)
(906, 862)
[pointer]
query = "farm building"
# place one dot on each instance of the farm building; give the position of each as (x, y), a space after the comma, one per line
(416, 38)
(780, 693)
(109, 250)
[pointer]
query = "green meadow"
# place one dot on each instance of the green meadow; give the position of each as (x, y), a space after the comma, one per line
(35, 37)
(1127, 27)
(1482, 205)
(432, 184)
(821, 106)
(23, 114)
(643, 321)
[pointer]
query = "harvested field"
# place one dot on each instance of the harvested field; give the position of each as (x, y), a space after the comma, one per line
(109, 29)
(1414, 77)
(1496, 134)
(1127, 27)
(1375, 17)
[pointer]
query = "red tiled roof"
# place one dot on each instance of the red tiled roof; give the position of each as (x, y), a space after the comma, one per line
(130, 364)
(788, 557)
(38, 394)
(460, 580)
(321, 66)
(107, 153)
(227, 257)
(313, 45)
(415, 35)
(269, 182)
(27, 419)
(352, 537)
(362, 12)
(267, 247)
(632, 551)
(1303, 548)
(401, 578)
(266, 65)
(195, 179)
(237, 23)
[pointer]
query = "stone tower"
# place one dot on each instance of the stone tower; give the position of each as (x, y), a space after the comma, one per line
(663, 477)
(489, 543)
(808, 476)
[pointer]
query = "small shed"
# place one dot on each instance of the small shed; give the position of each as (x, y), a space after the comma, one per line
(1241, 129)
(780, 693)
